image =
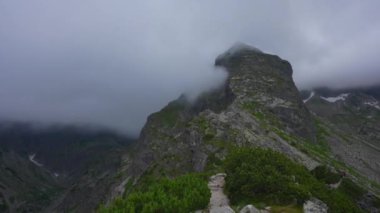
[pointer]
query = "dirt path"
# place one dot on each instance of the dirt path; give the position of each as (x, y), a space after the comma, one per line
(219, 202)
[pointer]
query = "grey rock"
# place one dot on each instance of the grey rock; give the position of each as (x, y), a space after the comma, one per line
(315, 206)
(249, 209)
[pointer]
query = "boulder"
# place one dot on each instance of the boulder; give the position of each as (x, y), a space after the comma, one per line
(314, 206)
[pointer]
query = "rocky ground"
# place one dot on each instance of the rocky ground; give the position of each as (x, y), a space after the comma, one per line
(219, 202)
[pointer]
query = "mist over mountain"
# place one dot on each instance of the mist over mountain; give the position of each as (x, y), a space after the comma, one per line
(181, 106)
(56, 166)
(113, 63)
(265, 142)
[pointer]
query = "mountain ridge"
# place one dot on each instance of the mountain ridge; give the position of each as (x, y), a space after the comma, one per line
(257, 106)
(237, 94)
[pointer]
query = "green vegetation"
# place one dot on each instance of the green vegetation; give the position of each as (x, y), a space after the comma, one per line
(321, 151)
(3, 207)
(265, 176)
(287, 209)
(184, 194)
(169, 115)
(204, 127)
(262, 114)
(3, 204)
(215, 159)
(324, 174)
(285, 136)
(254, 109)
(350, 188)
(201, 123)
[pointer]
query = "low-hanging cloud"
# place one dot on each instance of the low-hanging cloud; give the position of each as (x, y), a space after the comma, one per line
(112, 63)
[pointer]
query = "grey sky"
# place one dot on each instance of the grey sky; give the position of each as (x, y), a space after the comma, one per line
(114, 62)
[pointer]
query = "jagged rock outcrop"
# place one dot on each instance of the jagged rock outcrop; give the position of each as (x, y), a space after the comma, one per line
(256, 106)
(267, 80)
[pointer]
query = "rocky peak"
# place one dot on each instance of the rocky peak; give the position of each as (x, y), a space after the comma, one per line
(266, 80)
(258, 106)
(236, 50)
(257, 100)
(240, 52)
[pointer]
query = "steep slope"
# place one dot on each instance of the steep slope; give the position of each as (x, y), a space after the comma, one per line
(257, 106)
(23, 185)
(57, 167)
(352, 117)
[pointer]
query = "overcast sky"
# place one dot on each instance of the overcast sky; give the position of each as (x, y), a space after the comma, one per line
(113, 62)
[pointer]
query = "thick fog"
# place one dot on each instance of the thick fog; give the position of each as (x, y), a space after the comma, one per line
(112, 63)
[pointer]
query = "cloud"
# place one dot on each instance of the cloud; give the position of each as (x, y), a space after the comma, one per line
(112, 63)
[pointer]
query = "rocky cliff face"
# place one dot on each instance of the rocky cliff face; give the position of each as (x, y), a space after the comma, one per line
(258, 105)
(267, 80)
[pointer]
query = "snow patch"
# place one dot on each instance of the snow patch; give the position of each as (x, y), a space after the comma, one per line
(308, 99)
(340, 97)
(373, 104)
(31, 158)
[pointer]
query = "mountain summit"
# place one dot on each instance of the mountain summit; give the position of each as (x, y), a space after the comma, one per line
(257, 106)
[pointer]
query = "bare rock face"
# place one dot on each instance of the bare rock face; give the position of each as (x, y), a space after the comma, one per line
(266, 80)
(314, 206)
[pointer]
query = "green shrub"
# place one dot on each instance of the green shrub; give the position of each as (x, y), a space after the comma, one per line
(170, 114)
(324, 174)
(261, 175)
(183, 194)
(350, 188)
(265, 174)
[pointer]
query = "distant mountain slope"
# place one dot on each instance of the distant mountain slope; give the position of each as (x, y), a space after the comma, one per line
(373, 91)
(61, 164)
(353, 119)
